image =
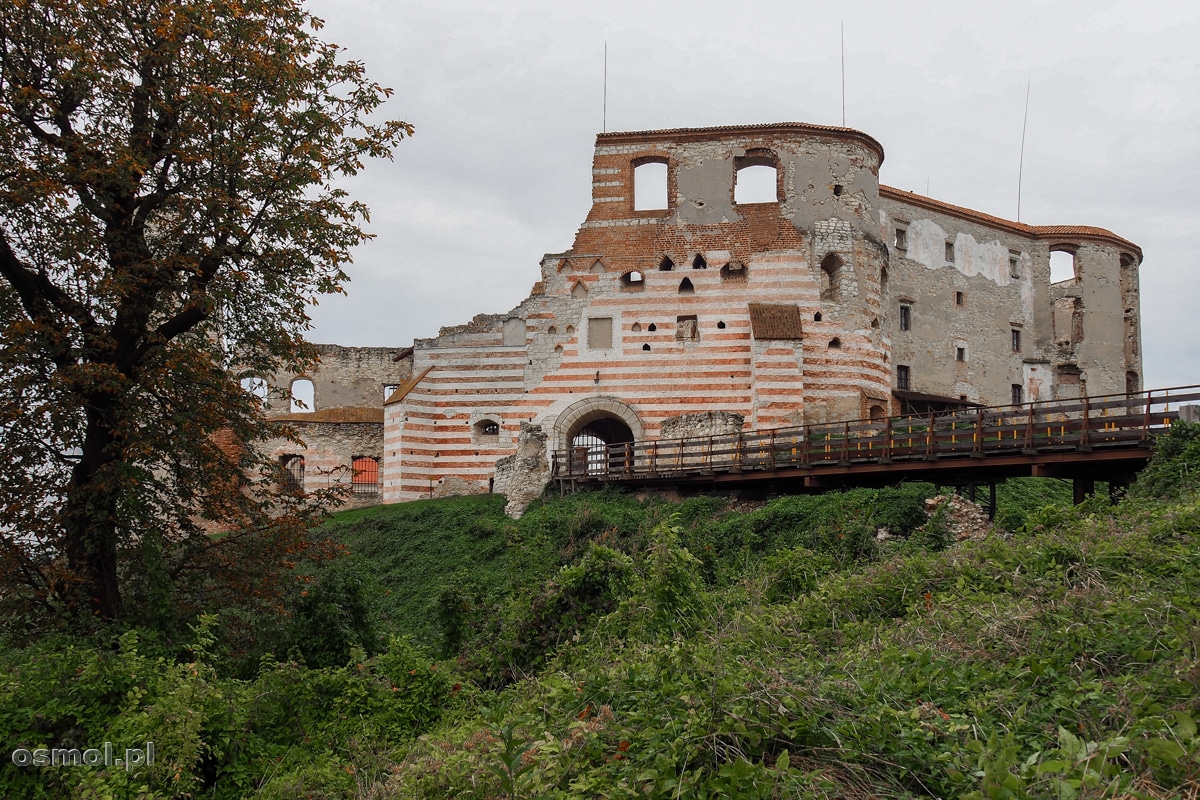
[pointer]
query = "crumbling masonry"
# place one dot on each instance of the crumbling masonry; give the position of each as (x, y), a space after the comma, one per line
(709, 310)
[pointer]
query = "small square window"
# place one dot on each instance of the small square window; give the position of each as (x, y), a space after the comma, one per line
(960, 354)
(901, 239)
(950, 251)
(1016, 340)
(959, 298)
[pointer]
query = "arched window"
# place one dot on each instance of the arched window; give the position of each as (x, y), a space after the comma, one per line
(487, 430)
(633, 280)
(255, 386)
(652, 327)
(293, 472)
(365, 478)
(666, 265)
(303, 396)
(646, 347)
(699, 263)
(757, 178)
(650, 185)
(876, 413)
(734, 271)
(831, 277)
(835, 344)
(721, 325)
(685, 287)
(1062, 264)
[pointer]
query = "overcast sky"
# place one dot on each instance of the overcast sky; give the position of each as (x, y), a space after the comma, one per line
(507, 99)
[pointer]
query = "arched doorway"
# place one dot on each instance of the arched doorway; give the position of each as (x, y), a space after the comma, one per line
(593, 431)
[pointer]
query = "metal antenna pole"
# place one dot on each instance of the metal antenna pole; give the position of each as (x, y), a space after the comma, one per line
(1021, 162)
(604, 117)
(843, 28)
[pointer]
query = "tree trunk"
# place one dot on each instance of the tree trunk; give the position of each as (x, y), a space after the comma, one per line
(90, 520)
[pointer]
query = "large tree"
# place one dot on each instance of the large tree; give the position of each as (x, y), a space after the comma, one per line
(169, 208)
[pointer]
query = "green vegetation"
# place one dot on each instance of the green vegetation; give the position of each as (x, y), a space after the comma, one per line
(604, 646)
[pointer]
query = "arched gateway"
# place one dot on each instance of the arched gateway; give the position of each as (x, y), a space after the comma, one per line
(591, 426)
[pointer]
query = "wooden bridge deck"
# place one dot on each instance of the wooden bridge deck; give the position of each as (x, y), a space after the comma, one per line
(1087, 439)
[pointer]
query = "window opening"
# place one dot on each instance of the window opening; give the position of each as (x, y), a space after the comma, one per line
(552, 330)
(1014, 265)
(950, 252)
(1016, 340)
(959, 298)
(487, 427)
(876, 413)
(512, 332)
(721, 325)
(699, 263)
(685, 286)
(835, 344)
(901, 239)
(756, 183)
(666, 265)
(817, 317)
(875, 322)
(366, 476)
(1018, 394)
(600, 333)
(303, 396)
(903, 377)
(293, 472)
(734, 271)
(650, 186)
(637, 327)
(633, 280)
(687, 329)
(905, 317)
(570, 330)
(652, 327)
(1131, 383)
(837, 190)
(389, 390)
(960, 354)
(646, 347)
(1062, 266)
(831, 277)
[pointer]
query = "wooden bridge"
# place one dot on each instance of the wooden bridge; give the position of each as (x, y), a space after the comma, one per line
(1089, 439)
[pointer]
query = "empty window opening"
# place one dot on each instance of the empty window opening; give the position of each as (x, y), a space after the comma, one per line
(756, 183)
(637, 327)
(837, 190)
(1018, 394)
(1016, 340)
(817, 317)
(666, 265)
(389, 389)
(960, 354)
(835, 344)
(600, 333)
(875, 322)
(950, 252)
(959, 298)
(1062, 266)
(831, 277)
(303, 396)
(1014, 265)
(1127, 260)
(883, 284)
(513, 332)
(650, 186)
(579, 291)
(699, 263)
(293, 472)
(633, 280)
(734, 271)
(876, 413)
(646, 347)
(687, 329)
(901, 239)
(903, 377)
(652, 327)
(685, 286)
(1132, 384)
(721, 326)
(256, 387)
(365, 477)
(905, 317)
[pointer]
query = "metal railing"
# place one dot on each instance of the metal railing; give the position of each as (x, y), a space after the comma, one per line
(1098, 422)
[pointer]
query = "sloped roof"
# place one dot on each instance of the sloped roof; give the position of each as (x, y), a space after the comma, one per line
(768, 321)
(403, 389)
(345, 414)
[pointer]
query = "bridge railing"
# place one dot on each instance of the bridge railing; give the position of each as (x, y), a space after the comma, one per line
(1097, 422)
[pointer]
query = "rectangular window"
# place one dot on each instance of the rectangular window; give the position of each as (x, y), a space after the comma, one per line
(600, 333)
(905, 318)
(950, 251)
(901, 239)
(687, 329)
(960, 354)
(1014, 265)
(903, 378)
(1018, 394)
(1016, 340)
(959, 298)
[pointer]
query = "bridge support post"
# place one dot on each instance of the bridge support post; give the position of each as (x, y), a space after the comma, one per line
(1083, 489)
